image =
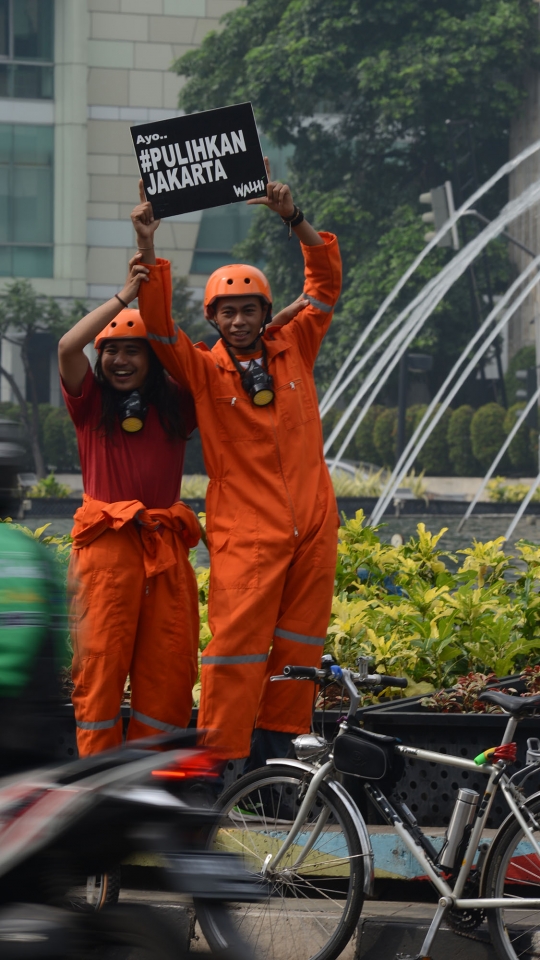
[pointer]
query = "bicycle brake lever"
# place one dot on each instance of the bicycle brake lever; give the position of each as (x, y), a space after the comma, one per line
(280, 677)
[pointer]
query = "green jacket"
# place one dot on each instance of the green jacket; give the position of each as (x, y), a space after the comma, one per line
(33, 623)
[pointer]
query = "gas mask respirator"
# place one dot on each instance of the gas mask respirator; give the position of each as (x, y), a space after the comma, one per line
(132, 412)
(258, 384)
(256, 381)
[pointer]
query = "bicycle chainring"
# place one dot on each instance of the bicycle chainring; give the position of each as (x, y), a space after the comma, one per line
(466, 920)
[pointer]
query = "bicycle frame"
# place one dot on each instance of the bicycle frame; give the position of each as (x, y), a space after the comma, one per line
(494, 774)
(450, 895)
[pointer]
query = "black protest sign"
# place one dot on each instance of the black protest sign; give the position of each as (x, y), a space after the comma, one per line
(202, 160)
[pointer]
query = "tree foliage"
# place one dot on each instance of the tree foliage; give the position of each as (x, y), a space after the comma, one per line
(186, 312)
(362, 89)
(24, 313)
(524, 359)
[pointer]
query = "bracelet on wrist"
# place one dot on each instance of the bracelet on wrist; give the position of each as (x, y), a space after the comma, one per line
(123, 302)
(294, 220)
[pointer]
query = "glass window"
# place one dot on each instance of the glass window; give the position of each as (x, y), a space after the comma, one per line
(223, 227)
(32, 30)
(26, 200)
(26, 49)
(4, 28)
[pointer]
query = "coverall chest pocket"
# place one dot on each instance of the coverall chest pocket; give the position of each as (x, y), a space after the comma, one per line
(237, 419)
(295, 406)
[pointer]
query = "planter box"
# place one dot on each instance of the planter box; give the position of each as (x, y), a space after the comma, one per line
(47, 507)
(65, 507)
(429, 789)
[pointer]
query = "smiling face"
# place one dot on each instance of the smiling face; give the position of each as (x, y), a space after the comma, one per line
(125, 363)
(239, 320)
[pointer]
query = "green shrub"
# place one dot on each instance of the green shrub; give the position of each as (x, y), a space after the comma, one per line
(519, 450)
(385, 436)
(462, 459)
(329, 421)
(363, 446)
(488, 434)
(433, 457)
(507, 491)
(419, 611)
(422, 612)
(49, 487)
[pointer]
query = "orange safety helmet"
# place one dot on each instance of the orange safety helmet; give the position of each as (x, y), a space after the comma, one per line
(238, 280)
(128, 324)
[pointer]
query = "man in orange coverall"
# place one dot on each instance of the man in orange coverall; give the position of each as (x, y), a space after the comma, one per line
(135, 602)
(271, 512)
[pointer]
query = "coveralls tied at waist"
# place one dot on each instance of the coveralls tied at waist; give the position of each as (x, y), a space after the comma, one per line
(134, 611)
(95, 517)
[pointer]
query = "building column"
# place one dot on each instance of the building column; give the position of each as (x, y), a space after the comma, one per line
(70, 147)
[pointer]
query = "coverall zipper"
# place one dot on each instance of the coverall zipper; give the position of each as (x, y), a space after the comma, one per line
(289, 498)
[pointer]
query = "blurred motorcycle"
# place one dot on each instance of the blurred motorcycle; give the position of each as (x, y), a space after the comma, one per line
(59, 826)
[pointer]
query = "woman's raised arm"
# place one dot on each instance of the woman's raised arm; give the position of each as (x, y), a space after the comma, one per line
(72, 361)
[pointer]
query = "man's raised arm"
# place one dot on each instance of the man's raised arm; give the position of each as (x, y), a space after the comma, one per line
(322, 266)
(174, 349)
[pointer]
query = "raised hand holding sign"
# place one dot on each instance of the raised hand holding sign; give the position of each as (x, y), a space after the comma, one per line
(278, 195)
(201, 160)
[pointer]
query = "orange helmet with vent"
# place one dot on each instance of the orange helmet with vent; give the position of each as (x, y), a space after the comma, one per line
(237, 280)
(128, 324)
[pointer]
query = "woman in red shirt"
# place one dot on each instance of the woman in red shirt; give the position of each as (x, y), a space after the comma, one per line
(134, 607)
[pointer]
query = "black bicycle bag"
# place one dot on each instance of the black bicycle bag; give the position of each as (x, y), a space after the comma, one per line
(369, 756)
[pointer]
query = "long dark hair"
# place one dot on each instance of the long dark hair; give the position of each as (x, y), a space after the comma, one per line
(158, 390)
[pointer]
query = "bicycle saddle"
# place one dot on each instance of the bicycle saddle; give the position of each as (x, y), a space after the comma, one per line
(516, 706)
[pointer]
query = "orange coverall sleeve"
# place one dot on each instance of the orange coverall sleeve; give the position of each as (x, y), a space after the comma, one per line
(322, 286)
(173, 348)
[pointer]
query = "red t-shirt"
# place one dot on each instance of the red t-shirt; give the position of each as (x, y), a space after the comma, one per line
(145, 466)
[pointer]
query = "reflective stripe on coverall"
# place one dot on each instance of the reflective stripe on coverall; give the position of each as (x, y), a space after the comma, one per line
(134, 610)
(270, 506)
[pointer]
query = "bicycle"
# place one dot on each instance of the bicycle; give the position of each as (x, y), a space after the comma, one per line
(299, 830)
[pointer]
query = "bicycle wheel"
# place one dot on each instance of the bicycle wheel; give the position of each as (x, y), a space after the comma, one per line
(85, 893)
(514, 871)
(314, 898)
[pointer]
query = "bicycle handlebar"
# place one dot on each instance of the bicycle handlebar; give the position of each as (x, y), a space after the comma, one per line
(393, 681)
(292, 672)
(303, 673)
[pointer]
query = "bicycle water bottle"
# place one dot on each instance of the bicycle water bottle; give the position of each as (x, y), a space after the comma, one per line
(462, 816)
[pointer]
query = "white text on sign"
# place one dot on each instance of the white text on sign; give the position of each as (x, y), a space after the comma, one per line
(195, 162)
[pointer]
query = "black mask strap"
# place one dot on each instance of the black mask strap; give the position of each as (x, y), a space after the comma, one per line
(239, 367)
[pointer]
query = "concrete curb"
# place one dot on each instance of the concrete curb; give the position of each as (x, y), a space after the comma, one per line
(380, 938)
(180, 915)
